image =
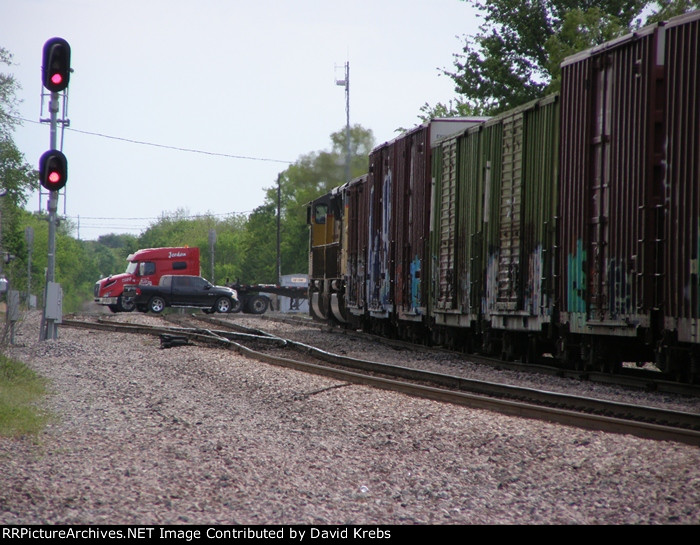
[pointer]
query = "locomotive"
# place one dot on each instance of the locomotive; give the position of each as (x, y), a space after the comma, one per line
(567, 228)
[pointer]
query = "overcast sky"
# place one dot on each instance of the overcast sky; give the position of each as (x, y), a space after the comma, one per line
(253, 81)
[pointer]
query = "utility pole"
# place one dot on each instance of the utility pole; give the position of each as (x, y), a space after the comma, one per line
(279, 235)
(212, 243)
(346, 83)
(29, 237)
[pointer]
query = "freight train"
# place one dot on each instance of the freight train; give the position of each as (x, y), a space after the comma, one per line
(566, 228)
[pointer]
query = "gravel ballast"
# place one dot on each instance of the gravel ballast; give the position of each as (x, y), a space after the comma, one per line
(195, 435)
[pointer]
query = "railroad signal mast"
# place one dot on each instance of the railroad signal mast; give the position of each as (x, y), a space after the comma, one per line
(53, 172)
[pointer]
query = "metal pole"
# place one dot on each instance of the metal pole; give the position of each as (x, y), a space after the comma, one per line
(346, 83)
(212, 243)
(347, 121)
(49, 328)
(29, 237)
(279, 236)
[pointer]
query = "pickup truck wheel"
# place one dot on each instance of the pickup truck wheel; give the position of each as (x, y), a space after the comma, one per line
(257, 304)
(223, 305)
(156, 305)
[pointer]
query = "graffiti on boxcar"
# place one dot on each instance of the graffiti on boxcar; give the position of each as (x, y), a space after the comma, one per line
(415, 284)
(533, 296)
(576, 280)
(384, 292)
(488, 304)
(620, 282)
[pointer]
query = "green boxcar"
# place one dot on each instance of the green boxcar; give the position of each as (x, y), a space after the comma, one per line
(493, 228)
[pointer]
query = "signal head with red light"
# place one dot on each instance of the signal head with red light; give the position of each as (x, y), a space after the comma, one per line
(53, 170)
(55, 70)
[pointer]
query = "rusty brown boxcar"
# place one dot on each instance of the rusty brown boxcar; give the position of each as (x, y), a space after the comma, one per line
(356, 227)
(629, 195)
(399, 183)
(680, 172)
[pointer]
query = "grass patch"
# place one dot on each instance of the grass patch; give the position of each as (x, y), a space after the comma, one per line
(20, 391)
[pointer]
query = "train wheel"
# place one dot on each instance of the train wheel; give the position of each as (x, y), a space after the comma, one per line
(694, 369)
(567, 355)
(594, 361)
(508, 347)
(612, 363)
(531, 354)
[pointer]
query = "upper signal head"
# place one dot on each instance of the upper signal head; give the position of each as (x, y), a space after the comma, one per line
(55, 69)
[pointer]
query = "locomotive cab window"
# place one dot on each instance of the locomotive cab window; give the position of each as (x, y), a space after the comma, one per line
(320, 213)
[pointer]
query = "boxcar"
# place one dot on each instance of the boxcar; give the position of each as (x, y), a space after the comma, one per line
(399, 186)
(680, 169)
(493, 231)
(629, 195)
(357, 203)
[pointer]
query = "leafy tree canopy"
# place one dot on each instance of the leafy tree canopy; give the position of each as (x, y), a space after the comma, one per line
(309, 177)
(515, 57)
(8, 97)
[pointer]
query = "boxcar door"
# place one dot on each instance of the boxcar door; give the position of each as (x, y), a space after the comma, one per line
(509, 277)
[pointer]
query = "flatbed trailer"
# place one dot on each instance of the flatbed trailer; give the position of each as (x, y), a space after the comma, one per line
(253, 298)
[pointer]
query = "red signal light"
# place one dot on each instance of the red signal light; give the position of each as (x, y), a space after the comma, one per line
(53, 170)
(55, 70)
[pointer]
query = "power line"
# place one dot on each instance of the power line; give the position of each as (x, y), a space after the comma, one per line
(176, 148)
(175, 218)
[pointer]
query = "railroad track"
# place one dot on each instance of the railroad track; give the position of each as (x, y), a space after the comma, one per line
(565, 409)
(641, 379)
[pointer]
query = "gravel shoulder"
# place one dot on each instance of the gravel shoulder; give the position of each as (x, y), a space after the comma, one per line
(194, 435)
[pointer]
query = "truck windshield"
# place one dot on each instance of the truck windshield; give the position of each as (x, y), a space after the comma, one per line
(132, 267)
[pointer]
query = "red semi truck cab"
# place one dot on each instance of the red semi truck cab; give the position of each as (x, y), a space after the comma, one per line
(145, 269)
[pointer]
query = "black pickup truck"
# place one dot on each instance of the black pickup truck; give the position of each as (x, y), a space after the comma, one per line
(182, 291)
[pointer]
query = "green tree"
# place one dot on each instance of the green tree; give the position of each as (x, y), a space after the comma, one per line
(228, 251)
(17, 178)
(310, 176)
(516, 54)
(457, 107)
(8, 97)
(663, 10)
(127, 243)
(182, 229)
(258, 252)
